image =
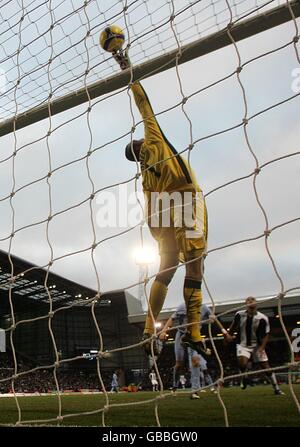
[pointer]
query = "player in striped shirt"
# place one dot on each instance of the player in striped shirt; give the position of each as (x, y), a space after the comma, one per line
(253, 329)
(153, 379)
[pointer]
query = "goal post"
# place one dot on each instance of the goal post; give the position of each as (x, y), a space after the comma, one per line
(239, 30)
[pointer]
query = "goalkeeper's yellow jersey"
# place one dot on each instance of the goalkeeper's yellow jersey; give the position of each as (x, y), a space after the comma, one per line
(163, 169)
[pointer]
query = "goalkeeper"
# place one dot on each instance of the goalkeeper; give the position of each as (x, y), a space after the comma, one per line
(165, 172)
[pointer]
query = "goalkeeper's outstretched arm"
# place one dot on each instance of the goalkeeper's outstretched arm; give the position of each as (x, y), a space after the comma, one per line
(152, 130)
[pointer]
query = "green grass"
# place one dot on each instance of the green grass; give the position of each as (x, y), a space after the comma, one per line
(253, 407)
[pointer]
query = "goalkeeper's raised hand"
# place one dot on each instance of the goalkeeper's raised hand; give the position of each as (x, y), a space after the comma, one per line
(121, 57)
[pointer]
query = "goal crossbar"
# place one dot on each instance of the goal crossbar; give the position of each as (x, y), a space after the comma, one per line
(239, 31)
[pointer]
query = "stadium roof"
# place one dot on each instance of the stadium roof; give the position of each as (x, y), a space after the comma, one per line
(267, 304)
(29, 289)
(28, 286)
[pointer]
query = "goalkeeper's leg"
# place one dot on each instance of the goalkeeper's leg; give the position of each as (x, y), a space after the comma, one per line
(193, 298)
(158, 293)
(191, 233)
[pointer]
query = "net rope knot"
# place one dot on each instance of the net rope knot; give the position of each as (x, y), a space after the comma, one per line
(281, 296)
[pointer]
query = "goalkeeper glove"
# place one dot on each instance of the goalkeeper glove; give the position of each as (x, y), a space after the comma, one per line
(122, 58)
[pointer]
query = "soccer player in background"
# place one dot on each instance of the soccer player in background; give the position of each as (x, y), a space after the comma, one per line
(205, 377)
(114, 383)
(153, 379)
(253, 329)
(164, 171)
(197, 364)
(182, 381)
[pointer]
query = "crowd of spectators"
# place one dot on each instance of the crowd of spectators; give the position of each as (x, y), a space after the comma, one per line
(43, 380)
(46, 380)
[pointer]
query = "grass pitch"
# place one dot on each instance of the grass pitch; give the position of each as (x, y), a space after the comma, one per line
(253, 407)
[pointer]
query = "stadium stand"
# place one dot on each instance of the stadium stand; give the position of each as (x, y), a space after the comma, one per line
(121, 319)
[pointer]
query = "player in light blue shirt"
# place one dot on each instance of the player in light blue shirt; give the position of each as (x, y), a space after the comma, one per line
(197, 363)
(114, 383)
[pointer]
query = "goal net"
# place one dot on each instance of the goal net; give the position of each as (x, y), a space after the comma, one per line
(223, 78)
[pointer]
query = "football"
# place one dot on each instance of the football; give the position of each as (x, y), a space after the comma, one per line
(112, 38)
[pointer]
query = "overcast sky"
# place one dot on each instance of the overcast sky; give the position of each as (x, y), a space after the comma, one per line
(234, 214)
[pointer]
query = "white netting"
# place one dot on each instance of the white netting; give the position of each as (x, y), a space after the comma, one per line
(51, 48)
(148, 26)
